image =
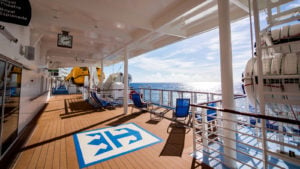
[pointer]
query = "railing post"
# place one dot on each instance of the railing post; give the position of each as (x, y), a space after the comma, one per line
(194, 130)
(193, 109)
(219, 122)
(195, 99)
(161, 95)
(205, 129)
(281, 137)
(150, 95)
(171, 98)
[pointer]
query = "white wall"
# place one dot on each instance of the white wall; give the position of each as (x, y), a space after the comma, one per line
(31, 84)
(31, 79)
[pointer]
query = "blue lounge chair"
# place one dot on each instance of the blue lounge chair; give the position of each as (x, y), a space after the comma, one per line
(182, 110)
(101, 102)
(211, 114)
(139, 103)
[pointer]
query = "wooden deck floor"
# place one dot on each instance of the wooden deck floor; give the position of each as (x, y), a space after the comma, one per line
(51, 143)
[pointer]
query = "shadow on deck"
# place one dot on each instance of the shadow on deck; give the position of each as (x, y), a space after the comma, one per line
(77, 106)
(175, 143)
(51, 143)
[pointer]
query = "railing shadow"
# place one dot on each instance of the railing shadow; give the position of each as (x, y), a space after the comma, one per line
(126, 118)
(67, 134)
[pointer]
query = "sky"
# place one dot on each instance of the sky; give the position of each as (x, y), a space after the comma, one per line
(192, 60)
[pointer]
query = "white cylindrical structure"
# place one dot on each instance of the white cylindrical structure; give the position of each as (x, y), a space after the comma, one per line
(125, 104)
(227, 82)
(85, 91)
(260, 79)
(102, 73)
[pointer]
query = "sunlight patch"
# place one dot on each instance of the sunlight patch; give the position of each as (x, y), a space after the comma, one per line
(102, 144)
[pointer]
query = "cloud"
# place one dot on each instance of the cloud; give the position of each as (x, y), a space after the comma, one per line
(294, 5)
(196, 59)
(154, 64)
(210, 58)
(179, 77)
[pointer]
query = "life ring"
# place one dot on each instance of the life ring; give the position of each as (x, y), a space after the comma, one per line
(131, 93)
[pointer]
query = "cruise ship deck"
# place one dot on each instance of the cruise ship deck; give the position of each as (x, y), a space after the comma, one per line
(51, 142)
(40, 40)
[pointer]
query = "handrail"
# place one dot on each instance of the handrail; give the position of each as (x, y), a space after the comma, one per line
(187, 91)
(265, 117)
(220, 100)
(184, 91)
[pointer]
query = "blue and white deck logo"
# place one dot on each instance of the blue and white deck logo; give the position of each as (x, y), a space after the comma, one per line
(103, 144)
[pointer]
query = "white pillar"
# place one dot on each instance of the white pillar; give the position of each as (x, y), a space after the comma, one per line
(260, 80)
(91, 78)
(85, 91)
(227, 81)
(125, 81)
(102, 73)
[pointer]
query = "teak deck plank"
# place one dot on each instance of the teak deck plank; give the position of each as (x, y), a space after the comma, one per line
(37, 150)
(51, 144)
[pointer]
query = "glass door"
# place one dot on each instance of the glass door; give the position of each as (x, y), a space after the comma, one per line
(2, 89)
(10, 91)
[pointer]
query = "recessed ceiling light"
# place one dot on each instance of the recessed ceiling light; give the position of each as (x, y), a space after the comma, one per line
(119, 25)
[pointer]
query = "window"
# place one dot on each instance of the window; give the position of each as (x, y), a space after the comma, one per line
(10, 88)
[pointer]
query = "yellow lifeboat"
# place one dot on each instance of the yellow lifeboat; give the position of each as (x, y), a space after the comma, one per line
(77, 75)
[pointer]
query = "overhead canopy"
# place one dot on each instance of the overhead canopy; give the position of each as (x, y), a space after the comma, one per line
(103, 28)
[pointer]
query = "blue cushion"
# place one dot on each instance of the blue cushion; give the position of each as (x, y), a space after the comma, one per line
(182, 107)
(136, 98)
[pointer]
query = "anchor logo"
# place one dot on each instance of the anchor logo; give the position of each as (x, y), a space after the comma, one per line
(115, 138)
(99, 140)
(103, 144)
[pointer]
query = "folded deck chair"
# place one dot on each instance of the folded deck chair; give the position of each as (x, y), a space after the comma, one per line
(139, 103)
(92, 101)
(103, 103)
(182, 110)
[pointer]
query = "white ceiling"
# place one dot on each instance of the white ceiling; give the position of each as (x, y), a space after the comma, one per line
(103, 28)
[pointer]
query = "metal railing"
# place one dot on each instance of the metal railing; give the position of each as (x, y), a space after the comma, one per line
(168, 98)
(283, 132)
(283, 138)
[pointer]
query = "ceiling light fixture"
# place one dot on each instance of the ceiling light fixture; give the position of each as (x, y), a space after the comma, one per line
(7, 34)
(120, 25)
